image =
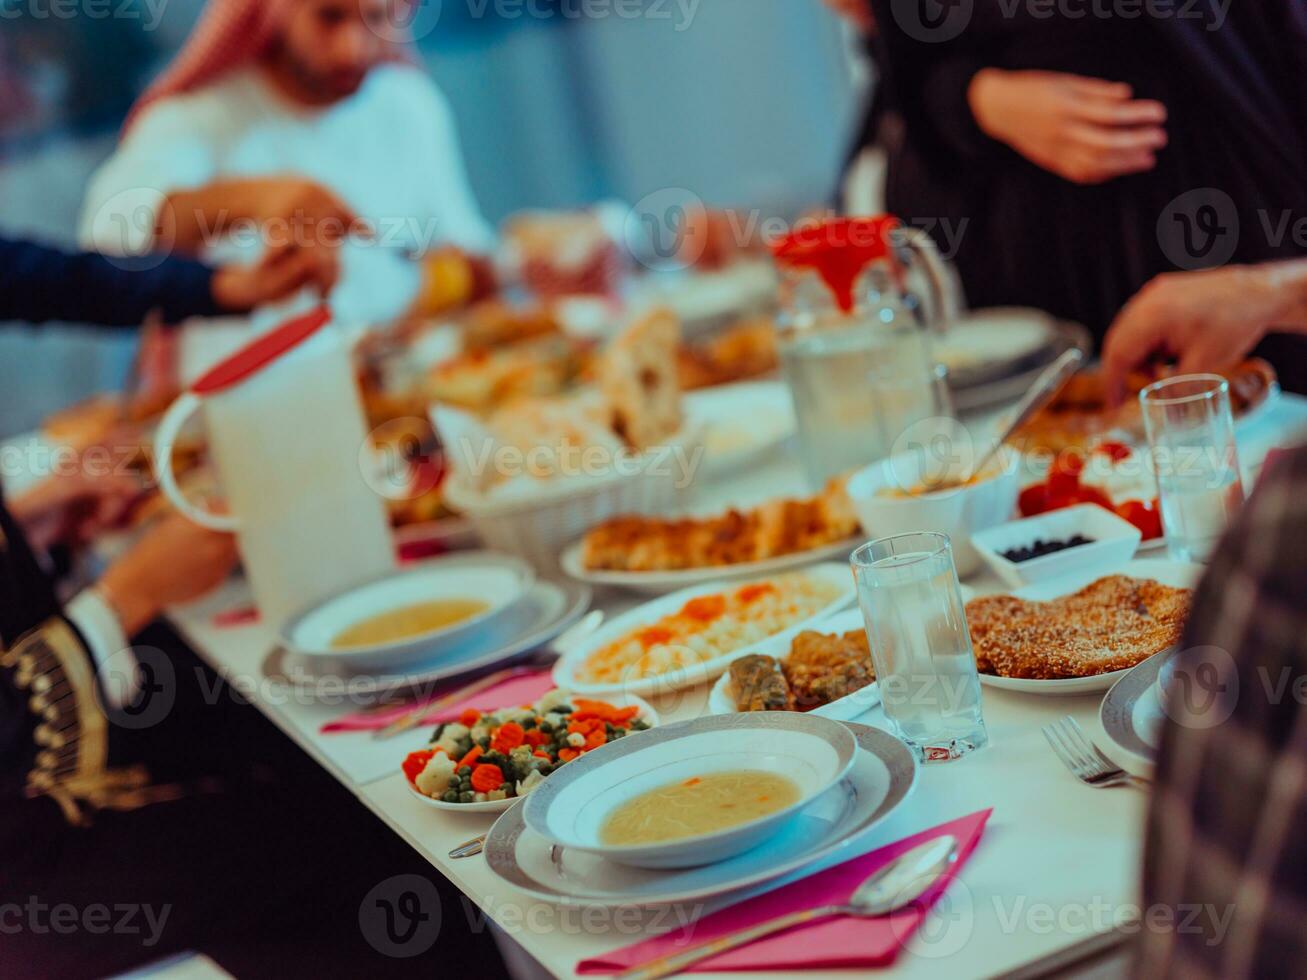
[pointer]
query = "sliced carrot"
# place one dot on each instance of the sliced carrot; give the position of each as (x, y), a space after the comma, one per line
(469, 717)
(470, 759)
(567, 755)
(596, 739)
(487, 778)
(536, 737)
(507, 737)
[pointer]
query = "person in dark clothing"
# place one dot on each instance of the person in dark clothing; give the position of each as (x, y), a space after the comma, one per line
(40, 284)
(1089, 154)
(131, 778)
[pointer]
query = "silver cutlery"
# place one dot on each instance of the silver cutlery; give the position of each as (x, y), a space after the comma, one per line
(581, 628)
(1046, 386)
(1083, 758)
(469, 848)
(897, 884)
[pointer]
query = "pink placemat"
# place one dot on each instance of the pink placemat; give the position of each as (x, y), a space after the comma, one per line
(524, 687)
(827, 944)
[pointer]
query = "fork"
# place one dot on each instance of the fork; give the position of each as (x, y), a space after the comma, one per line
(1084, 759)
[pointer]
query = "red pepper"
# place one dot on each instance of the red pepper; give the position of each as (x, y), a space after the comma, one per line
(416, 762)
(1115, 451)
(1064, 475)
(1033, 500)
(1144, 516)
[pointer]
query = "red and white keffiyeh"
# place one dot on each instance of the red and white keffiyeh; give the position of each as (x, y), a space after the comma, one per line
(229, 35)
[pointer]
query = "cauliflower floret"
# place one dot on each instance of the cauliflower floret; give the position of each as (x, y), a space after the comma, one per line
(576, 740)
(497, 794)
(556, 719)
(525, 786)
(518, 715)
(479, 798)
(553, 699)
(436, 776)
(450, 736)
(480, 730)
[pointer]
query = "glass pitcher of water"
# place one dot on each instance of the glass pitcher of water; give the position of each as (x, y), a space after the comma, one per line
(855, 340)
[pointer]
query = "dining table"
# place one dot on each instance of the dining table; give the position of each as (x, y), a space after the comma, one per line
(1055, 877)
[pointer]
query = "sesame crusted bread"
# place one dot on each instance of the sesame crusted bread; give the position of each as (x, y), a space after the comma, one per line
(1111, 624)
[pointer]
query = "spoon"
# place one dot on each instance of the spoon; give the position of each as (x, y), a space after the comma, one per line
(899, 883)
(1046, 386)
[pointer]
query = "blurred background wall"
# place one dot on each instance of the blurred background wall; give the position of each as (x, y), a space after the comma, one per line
(745, 102)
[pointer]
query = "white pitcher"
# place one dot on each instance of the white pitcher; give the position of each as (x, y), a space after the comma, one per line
(286, 431)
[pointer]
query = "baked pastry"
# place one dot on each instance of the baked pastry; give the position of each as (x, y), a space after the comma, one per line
(1111, 624)
(637, 375)
(1080, 418)
(745, 350)
(781, 527)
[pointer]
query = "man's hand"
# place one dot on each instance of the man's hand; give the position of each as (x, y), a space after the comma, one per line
(287, 210)
(1208, 320)
(73, 509)
(281, 273)
(1085, 130)
(174, 562)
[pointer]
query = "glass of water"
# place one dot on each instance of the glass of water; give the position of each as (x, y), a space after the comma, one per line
(920, 644)
(1191, 439)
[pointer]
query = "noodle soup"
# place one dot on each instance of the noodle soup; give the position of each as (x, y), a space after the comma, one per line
(702, 805)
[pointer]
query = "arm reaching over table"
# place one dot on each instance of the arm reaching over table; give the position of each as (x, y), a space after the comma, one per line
(1207, 320)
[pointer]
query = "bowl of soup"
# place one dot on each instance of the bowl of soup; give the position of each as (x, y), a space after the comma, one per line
(693, 793)
(413, 614)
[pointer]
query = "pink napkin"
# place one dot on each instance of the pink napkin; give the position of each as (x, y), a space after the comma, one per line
(826, 944)
(524, 687)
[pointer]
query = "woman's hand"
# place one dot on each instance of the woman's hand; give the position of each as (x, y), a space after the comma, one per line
(1085, 130)
(174, 562)
(1208, 320)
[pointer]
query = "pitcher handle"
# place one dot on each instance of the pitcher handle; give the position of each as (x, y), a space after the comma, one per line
(165, 439)
(945, 305)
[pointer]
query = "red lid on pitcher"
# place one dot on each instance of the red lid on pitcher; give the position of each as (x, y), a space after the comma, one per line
(257, 355)
(838, 250)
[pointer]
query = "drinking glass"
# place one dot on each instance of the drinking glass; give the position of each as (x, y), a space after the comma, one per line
(920, 645)
(1191, 438)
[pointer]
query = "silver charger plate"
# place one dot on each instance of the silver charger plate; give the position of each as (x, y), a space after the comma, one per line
(542, 614)
(972, 393)
(1131, 714)
(884, 772)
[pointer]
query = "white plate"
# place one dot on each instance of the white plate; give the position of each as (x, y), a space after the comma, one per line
(661, 583)
(449, 533)
(1174, 573)
(646, 714)
(1131, 714)
(721, 700)
(572, 807)
(881, 778)
(543, 613)
(742, 424)
(650, 612)
(499, 580)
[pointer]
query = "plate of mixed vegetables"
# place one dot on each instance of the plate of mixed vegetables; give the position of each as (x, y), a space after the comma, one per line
(487, 761)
